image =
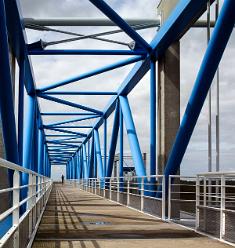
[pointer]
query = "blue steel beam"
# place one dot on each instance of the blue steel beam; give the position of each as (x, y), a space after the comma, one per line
(86, 52)
(48, 126)
(93, 73)
(105, 146)
(66, 131)
(220, 36)
(98, 154)
(91, 160)
(113, 16)
(21, 109)
(173, 28)
(72, 113)
(71, 104)
(6, 96)
(84, 162)
(71, 121)
(83, 93)
(113, 142)
(121, 146)
(132, 137)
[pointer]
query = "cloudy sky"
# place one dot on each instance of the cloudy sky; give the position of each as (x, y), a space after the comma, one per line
(51, 69)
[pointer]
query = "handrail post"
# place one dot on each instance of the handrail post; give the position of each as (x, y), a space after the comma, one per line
(118, 189)
(110, 189)
(197, 202)
(163, 198)
(16, 201)
(29, 203)
(222, 207)
(142, 194)
(169, 197)
(128, 191)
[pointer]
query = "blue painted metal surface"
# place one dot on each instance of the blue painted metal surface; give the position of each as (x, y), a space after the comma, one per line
(93, 73)
(98, 154)
(132, 137)
(113, 142)
(36, 151)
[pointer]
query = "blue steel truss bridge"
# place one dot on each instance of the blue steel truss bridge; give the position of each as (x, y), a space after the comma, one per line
(74, 169)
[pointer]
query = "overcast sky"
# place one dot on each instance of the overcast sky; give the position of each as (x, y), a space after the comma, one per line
(51, 69)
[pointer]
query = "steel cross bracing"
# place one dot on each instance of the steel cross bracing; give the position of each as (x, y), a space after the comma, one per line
(83, 158)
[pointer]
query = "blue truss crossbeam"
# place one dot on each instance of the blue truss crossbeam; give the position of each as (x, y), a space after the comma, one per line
(84, 93)
(93, 73)
(71, 121)
(71, 104)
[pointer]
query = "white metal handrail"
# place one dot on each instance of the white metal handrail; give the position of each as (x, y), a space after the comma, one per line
(140, 187)
(215, 193)
(39, 188)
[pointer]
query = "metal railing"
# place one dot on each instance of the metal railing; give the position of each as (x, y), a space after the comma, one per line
(215, 205)
(182, 200)
(146, 194)
(23, 226)
(205, 203)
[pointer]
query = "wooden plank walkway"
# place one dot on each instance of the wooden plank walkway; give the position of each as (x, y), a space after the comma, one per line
(77, 219)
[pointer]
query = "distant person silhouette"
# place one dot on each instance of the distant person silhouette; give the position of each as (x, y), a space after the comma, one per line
(62, 179)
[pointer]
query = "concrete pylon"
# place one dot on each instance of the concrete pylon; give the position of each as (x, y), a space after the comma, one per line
(168, 101)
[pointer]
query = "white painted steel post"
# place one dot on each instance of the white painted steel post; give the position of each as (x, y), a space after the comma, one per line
(142, 194)
(104, 188)
(169, 198)
(204, 201)
(222, 207)
(34, 201)
(110, 189)
(163, 198)
(118, 189)
(16, 201)
(95, 186)
(197, 203)
(30, 203)
(128, 191)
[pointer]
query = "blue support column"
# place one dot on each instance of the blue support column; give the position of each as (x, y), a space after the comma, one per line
(6, 96)
(21, 110)
(85, 167)
(40, 150)
(91, 160)
(28, 131)
(132, 137)
(98, 154)
(105, 146)
(113, 142)
(121, 150)
(212, 57)
(153, 110)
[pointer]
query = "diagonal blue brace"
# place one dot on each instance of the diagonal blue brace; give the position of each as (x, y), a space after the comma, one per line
(84, 162)
(74, 105)
(93, 73)
(212, 57)
(91, 159)
(98, 154)
(132, 137)
(113, 142)
(74, 120)
(112, 15)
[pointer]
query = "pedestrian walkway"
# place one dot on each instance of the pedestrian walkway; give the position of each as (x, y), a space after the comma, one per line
(77, 219)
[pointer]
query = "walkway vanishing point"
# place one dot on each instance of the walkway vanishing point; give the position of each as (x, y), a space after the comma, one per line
(74, 218)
